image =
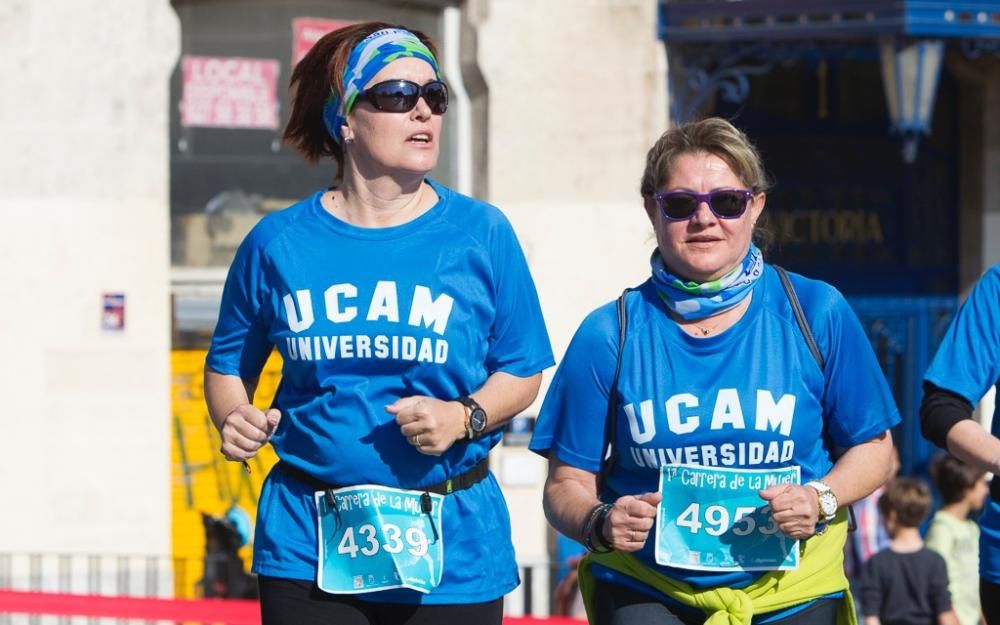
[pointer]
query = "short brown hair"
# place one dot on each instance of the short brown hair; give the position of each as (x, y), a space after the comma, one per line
(712, 135)
(952, 477)
(322, 68)
(909, 498)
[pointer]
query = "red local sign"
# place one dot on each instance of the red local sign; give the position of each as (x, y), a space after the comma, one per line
(229, 92)
(306, 31)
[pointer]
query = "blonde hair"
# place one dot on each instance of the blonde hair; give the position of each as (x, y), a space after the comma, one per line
(713, 135)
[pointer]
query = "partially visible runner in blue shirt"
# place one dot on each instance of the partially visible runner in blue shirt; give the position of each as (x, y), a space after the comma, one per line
(967, 364)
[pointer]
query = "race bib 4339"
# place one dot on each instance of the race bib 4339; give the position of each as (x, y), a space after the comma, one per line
(713, 519)
(376, 538)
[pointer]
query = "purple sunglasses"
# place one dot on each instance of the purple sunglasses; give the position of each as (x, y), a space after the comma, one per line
(725, 203)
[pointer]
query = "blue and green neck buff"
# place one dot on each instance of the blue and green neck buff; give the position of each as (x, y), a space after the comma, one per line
(693, 300)
(367, 59)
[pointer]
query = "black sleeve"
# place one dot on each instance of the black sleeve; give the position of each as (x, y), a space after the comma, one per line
(871, 589)
(940, 410)
(938, 591)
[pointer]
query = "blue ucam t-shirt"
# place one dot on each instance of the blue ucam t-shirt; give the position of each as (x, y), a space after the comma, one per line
(968, 363)
(750, 397)
(363, 317)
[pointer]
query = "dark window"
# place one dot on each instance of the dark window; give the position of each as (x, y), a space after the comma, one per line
(228, 166)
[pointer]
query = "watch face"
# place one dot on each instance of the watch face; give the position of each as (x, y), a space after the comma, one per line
(477, 420)
(828, 504)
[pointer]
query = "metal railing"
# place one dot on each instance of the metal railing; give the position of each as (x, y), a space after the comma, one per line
(92, 574)
(146, 576)
(905, 333)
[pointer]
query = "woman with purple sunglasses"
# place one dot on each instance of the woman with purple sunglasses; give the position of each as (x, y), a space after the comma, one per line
(707, 432)
(410, 333)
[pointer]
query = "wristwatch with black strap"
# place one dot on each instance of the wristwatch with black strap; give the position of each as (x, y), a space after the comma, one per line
(475, 417)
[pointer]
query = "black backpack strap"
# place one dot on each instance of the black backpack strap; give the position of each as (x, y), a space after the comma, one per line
(609, 420)
(800, 317)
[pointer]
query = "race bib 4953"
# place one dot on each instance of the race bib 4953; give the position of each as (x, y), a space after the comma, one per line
(713, 519)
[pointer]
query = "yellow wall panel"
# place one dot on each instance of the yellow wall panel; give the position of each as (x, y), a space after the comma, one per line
(202, 480)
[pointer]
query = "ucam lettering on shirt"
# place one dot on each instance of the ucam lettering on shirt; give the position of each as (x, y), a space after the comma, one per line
(340, 305)
(681, 417)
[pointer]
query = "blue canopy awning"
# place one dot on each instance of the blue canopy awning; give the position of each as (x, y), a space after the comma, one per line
(717, 21)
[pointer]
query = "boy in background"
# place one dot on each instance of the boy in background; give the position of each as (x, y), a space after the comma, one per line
(868, 538)
(906, 584)
(952, 534)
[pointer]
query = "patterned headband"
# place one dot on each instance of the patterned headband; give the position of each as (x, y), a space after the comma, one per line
(367, 59)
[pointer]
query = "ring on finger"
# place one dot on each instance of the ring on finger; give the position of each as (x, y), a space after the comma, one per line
(415, 439)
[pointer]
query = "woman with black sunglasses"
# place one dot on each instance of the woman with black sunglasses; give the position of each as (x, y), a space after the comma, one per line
(410, 332)
(691, 427)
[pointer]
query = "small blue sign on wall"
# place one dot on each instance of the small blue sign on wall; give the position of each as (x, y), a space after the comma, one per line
(518, 431)
(113, 316)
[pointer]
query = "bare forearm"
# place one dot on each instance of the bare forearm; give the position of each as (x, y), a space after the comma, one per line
(567, 502)
(968, 441)
(861, 469)
(503, 396)
(948, 618)
(224, 393)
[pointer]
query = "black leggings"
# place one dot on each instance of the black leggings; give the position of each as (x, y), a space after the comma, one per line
(617, 605)
(989, 597)
(298, 602)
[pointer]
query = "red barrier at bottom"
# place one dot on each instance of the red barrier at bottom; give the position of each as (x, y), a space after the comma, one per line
(228, 611)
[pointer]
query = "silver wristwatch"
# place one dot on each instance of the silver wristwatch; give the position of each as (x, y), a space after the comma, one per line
(827, 500)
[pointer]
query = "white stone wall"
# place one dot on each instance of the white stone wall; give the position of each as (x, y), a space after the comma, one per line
(577, 94)
(84, 200)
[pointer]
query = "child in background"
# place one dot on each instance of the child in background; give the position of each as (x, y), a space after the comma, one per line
(963, 489)
(868, 538)
(906, 584)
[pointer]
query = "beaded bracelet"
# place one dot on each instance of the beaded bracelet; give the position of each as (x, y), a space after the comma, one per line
(598, 512)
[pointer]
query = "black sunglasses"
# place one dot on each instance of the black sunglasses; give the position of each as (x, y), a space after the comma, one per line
(725, 203)
(400, 96)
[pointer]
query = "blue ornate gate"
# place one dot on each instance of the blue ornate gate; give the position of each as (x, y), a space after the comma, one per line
(905, 332)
